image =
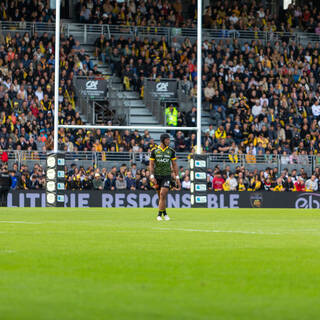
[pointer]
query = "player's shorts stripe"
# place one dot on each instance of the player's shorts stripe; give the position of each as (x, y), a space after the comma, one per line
(152, 159)
(173, 158)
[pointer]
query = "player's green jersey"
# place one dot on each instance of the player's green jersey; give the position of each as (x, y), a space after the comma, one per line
(162, 160)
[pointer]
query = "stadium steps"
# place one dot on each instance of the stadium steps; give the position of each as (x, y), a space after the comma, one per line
(205, 119)
(102, 67)
(139, 114)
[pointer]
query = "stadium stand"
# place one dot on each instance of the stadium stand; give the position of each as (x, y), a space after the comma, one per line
(261, 98)
(228, 15)
(132, 178)
(26, 90)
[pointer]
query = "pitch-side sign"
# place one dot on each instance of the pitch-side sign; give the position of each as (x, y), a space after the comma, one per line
(142, 199)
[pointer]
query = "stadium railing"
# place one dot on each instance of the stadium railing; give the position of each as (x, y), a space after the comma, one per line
(88, 33)
(109, 159)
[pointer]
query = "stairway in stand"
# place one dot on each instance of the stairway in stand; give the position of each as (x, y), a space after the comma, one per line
(137, 112)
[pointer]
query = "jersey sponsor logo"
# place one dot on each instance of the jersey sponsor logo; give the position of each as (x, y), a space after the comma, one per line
(163, 155)
(163, 160)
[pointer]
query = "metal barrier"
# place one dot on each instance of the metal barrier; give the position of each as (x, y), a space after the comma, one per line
(86, 105)
(109, 159)
(119, 104)
(88, 33)
(154, 105)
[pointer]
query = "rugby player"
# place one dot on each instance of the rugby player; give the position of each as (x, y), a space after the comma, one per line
(162, 159)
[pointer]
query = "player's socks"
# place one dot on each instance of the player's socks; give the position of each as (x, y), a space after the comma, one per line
(161, 212)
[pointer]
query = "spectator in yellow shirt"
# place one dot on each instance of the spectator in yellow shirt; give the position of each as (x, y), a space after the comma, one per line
(261, 139)
(241, 186)
(279, 186)
(220, 133)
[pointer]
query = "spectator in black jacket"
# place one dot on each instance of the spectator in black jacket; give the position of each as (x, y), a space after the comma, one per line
(110, 182)
(288, 184)
(131, 182)
(180, 142)
(191, 117)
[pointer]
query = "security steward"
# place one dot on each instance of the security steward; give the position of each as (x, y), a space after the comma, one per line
(5, 183)
(171, 116)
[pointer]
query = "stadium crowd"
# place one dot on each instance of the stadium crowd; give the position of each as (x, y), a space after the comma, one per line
(262, 100)
(27, 88)
(227, 15)
(131, 178)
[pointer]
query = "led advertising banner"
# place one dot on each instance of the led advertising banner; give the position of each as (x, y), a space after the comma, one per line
(176, 199)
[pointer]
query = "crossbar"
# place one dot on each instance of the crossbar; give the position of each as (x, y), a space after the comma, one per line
(151, 128)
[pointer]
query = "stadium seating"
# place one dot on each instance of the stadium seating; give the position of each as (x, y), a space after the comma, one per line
(260, 99)
(244, 15)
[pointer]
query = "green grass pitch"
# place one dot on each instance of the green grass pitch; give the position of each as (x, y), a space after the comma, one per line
(76, 264)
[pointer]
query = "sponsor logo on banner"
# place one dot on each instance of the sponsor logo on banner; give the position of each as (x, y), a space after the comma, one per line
(60, 186)
(61, 162)
(308, 201)
(256, 200)
(201, 187)
(200, 163)
(201, 176)
(163, 89)
(92, 85)
(91, 88)
(60, 198)
(201, 199)
(60, 174)
(162, 86)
